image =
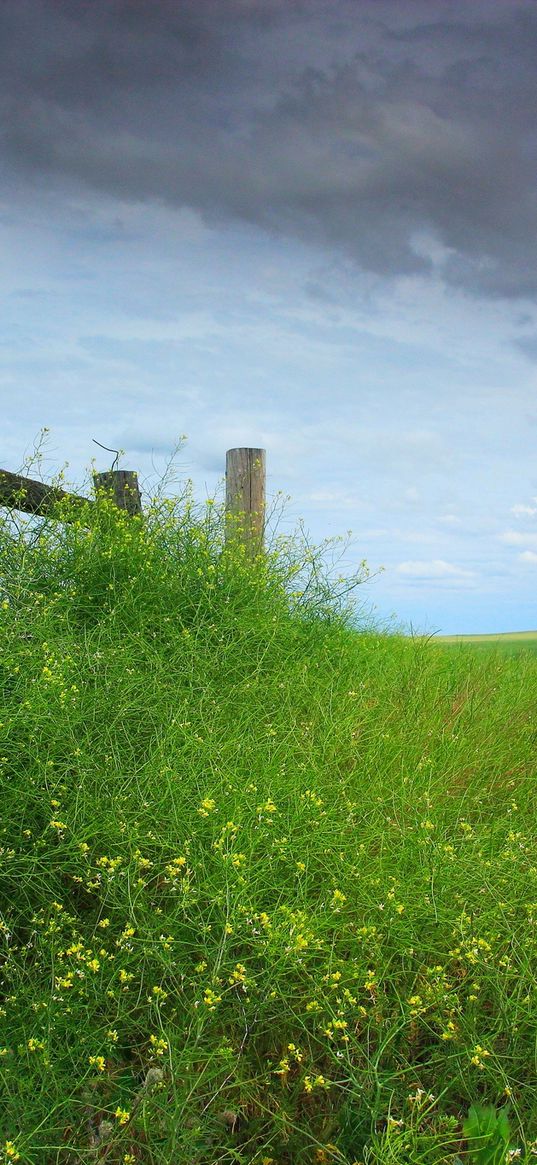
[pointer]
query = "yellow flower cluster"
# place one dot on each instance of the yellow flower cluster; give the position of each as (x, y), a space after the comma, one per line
(479, 1056)
(293, 1055)
(127, 933)
(143, 863)
(238, 975)
(207, 806)
(159, 1046)
(267, 807)
(109, 864)
(35, 1045)
(211, 999)
(312, 798)
(176, 867)
(314, 1082)
(158, 995)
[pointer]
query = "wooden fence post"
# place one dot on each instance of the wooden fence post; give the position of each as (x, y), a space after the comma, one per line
(245, 497)
(122, 485)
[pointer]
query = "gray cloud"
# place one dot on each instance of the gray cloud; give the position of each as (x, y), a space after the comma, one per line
(362, 128)
(527, 345)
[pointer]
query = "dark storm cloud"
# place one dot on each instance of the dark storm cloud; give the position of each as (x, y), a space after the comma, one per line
(400, 134)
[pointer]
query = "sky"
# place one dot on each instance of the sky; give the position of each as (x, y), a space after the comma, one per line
(303, 225)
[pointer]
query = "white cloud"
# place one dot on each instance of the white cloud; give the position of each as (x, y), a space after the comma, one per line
(519, 510)
(518, 538)
(528, 556)
(339, 498)
(437, 568)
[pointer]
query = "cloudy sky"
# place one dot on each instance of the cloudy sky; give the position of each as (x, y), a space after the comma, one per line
(307, 225)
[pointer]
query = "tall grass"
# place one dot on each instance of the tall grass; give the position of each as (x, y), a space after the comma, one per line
(268, 884)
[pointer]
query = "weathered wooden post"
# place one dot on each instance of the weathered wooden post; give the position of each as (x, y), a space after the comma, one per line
(122, 486)
(245, 497)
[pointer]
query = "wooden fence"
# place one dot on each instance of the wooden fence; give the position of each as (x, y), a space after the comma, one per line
(245, 494)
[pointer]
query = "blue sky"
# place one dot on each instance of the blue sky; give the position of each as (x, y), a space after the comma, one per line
(315, 276)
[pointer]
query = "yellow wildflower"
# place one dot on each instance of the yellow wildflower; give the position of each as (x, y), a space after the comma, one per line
(158, 1045)
(268, 807)
(238, 975)
(157, 993)
(316, 1082)
(210, 999)
(35, 1045)
(207, 806)
(479, 1056)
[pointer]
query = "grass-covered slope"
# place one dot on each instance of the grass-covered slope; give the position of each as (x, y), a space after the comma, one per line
(268, 886)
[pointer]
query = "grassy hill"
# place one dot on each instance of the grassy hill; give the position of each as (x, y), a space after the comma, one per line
(268, 887)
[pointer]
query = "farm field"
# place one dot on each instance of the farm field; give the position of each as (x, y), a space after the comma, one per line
(268, 887)
(511, 641)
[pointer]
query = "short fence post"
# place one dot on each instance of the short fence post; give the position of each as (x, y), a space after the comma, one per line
(245, 497)
(122, 486)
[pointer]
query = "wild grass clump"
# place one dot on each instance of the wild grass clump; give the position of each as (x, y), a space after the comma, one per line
(269, 883)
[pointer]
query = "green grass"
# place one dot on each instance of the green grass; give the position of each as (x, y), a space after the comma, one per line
(268, 886)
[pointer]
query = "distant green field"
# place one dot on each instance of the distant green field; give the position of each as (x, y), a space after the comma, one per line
(512, 642)
(503, 637)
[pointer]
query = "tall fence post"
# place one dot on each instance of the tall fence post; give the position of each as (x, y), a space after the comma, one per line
(122, 486)
(245, 497)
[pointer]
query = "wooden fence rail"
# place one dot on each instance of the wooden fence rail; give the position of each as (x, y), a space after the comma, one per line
(245, 494)
(33, 497)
